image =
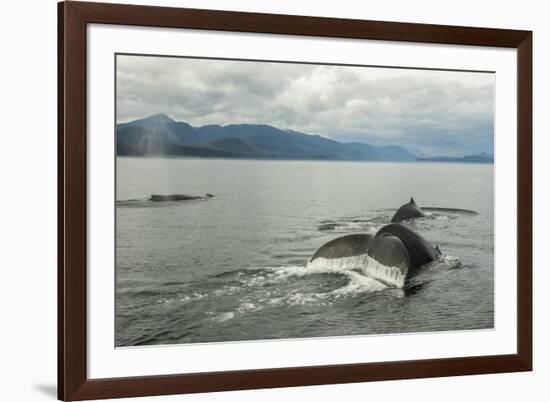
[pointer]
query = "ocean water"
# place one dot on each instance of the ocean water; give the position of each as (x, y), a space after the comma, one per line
(235, 267)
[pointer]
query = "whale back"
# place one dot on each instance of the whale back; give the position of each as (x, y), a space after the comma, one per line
(174, 197)
(408, 211)
(420, 250)
(345, 246)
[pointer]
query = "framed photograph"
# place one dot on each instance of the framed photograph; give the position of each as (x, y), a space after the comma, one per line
(253, 200)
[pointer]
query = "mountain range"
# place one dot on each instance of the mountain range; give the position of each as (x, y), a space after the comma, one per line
(159, 135)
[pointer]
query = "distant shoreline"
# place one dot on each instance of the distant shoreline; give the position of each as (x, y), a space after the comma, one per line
(468, 159)
(455, 161)
(423, 161)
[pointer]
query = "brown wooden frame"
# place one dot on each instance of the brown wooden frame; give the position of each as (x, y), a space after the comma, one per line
(73, 383)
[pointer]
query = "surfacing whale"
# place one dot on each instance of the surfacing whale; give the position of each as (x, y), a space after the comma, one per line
(178, 197)
(408, 211)
(391, 256)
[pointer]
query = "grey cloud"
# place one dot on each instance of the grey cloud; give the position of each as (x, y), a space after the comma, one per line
(447, 113)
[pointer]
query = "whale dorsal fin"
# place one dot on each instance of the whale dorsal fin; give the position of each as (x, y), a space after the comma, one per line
(412, 201)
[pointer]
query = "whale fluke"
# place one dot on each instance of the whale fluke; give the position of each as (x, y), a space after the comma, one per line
(345, 246)
(394, 254)
(408, 211)
(420, 250)
(390, 251)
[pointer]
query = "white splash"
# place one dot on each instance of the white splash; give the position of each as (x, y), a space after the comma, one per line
(359, 261)
(385, 273)
(369, 266)
(359, 284)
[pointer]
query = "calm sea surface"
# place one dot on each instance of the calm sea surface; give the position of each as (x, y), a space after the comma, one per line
(233, 267)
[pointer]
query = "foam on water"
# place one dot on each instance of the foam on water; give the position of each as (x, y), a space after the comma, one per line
(372, 276)
(354, 223)
(224, 316)
(248, 306)
(359, 284)
(449, 261)
(346, 226)
(451, 210)
(363, 274)
(301, 299)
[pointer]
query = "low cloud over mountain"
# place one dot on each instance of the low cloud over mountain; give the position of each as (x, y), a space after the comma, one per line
(447, 113)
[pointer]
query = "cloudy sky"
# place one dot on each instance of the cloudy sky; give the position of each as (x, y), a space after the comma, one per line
(429, 112)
